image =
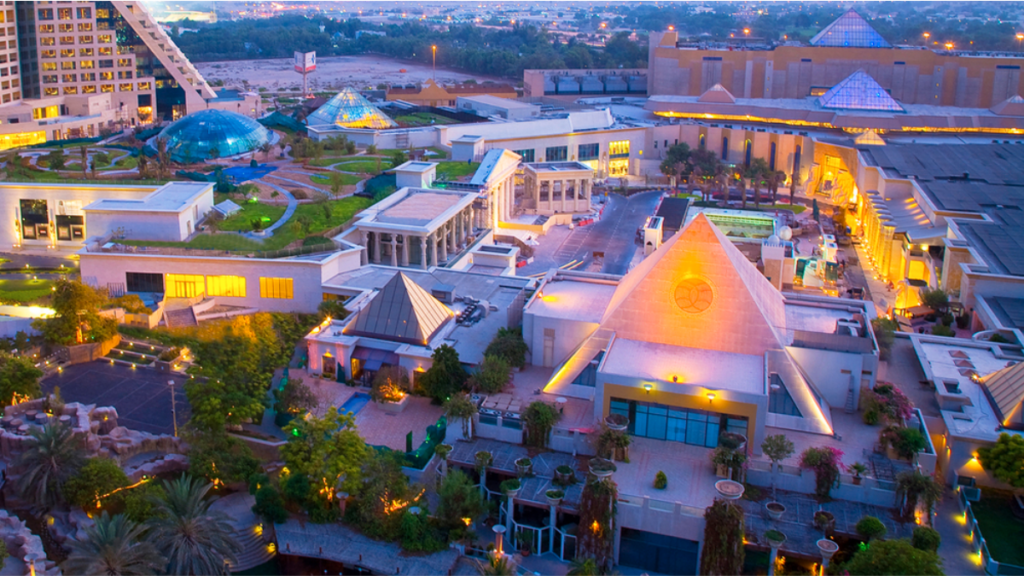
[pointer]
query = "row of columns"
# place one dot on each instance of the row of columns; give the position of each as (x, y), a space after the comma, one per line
(582, 188)
(450, 237)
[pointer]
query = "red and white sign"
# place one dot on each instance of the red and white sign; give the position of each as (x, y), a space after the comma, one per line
(305, 61)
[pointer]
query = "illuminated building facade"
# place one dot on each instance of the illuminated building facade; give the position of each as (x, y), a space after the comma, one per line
(349, 109)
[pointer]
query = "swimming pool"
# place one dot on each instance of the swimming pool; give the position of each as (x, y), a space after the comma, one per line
(355, 403)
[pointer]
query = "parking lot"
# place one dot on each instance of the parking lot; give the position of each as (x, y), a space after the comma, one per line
(141, 396)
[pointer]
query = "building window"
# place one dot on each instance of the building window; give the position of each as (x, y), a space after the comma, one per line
(725, 148)
(88, 64)
(619, 149)
(124, 74)
(125, 88)
(66, 28)
(67, 40)
(70, 90)
(67, 65)
(144, 282)
(70, 78)
(103, 13)
(50, 92)
(85, 52)
(233, 286)
(686, 425)
(526, 154)
(49, 78)
(280, 288)
(85, 27)
(67, 53)
(701, 142)
(107, 88)
(748, 149)
(106, 38)
(85, 39)
(185, 285)
(556, 154)
(46, 28)
(106, 51)
(49, 66)
(589, 151)
(84, 13)
(45, 112)
(145, 86)
(88, 77)
(64, 14)
(45, 13)
(771, 157)
(106, 75)
(47, 41)
(88, 89)
(48, 53)
(106, 63)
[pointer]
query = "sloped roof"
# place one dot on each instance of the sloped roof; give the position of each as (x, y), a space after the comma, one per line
(401, 311)
(1012, 106)
(1006, 390)
(850, 30)
(869, 138)
(493, 162)
(859, 91)
(698, 290)
(348, 108)
(718, 95)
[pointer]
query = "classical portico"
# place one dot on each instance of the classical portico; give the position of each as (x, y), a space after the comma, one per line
(496, 178)
(416, 227)
(558, 187)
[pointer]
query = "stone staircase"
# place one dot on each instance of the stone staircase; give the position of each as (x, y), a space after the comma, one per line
(248, 529)
(254, 550)
(180, 318)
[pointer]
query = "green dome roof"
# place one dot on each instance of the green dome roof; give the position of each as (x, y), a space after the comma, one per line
(209, 134)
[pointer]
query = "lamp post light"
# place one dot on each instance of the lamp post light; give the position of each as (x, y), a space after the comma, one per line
(433, 51)
(1020, 36)
(174, 408)
(949, 46)
(926, 35)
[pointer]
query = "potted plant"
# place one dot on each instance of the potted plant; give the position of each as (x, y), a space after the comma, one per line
(442, 451)
(903, 443)
(602, 467)
(564, 476)
(616, 422)
(775, 510)
(524, 467)
(733, 441)
(660, 481)
(824, 521)
(483, 460)
(554, 496)
(525, 542)
(613, 443)
(775, 538)
(727, 462)
(511, 487)
(858, 470)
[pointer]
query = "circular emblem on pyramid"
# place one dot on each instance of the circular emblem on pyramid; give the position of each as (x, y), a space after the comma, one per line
(694, 295)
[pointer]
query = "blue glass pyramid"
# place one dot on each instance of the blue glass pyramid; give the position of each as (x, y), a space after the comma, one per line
(850, 30)
(348, 108)
(859, 91)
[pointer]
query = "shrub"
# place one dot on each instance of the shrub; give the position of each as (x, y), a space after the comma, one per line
(538, 419)
(269, 505)
(885, 330)
(907, 442)
(947, 319)
(894, 557)
(98, 477)
(445, 377)
(963, 320)
(509, 485)
(491, 377)
(390, 384)
(825, 463)
(926, 538)
(139, 503)
(936, 299)
(941, 330)
(660, 480)
(871, 528)
(998, 339)
(888, 402)
(300, 194)
(509, 344)
(170, 354)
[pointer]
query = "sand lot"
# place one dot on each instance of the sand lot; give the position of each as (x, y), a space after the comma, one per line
(332, 73)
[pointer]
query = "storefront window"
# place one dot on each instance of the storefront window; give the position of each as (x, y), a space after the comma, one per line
(686, 425)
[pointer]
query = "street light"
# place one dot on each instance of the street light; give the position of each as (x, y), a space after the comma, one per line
(949, 46)
(1020, 37)
(926, 37)
(433, 51)
(174, 409)
(746, 31)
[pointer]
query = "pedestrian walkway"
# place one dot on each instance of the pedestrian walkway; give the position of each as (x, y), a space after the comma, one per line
(293, 205)
(958, 556)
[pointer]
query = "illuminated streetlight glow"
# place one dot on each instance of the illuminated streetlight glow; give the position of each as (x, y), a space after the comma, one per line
(433, 51)
(746, 31)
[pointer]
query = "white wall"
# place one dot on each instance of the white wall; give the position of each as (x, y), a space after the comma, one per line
(825, 369)
(158, 226)
(569, 335)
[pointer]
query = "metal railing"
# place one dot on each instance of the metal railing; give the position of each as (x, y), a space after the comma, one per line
(978, 543)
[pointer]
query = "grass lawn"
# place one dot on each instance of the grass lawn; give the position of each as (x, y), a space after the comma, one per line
(1003, 531)
(126, 163)
(328, 161)
(364, 166)
(346, 179)
(241, 221)
(24, 290)
(422, 119)
(795, 208)
(205, 242)
(452, 170)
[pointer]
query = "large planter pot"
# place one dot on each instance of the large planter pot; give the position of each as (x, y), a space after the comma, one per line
(616, 422)
(827, 548)
(857, 480)
(824, 521)
(775, 510)
(602, 468)
(729, 489)
(776, 543)
(394, 407)
(564, 478)
(554, 497)
(524, 467)
(734, 441)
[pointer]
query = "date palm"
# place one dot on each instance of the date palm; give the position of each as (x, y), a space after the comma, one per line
(53, 456)
(194, 539)
(113, 547)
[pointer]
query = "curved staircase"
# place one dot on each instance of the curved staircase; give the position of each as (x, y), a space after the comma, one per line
(248, 528)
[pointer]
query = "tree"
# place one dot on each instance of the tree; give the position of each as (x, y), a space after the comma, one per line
(269, 505)
(912, 486)
(334, 309)
(936, 299)
(76, 320)
(777, 448)
(723, 539)
(446, 376)
(1005, 459)
(53, 456)
(143, 165)
(496, 566)
(215, 455)
(459, 498)
(461, 407)
(794, 181)
(885, 330)
(163, 159)
(194, 539)
(775, 179)
(492, 376)
(98, 477)
(926, 538)
(382, 496)
(895, 558)
(870, 528)
(56, 159)
(337, 181)
(675, 163)
(266, 148)
(508, 343)
(757, 172)
(113, 546)
(19, 378)
(538, 420)
(326, 450)
(398, 158)
(84, 154)
(389, 384)
(294, 398)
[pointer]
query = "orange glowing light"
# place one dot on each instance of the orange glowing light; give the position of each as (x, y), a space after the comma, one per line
(595, 527)
(671, 27)
(746, 31)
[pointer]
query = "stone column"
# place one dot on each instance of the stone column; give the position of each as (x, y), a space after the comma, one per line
(510, 208)
(375, 248)
(405, 250)
(423, 252)
(394, 250)
(364, 256)
(433, 248)
(565, 192)
(467, 218)
(459, 226)
(444, 245)
(450, 235)
(553, 520)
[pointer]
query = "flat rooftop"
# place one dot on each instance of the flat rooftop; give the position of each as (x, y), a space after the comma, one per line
(420, 208)
(498, 102)
(171, 197)
(693, 366)
(988, 163)
(573, 299)
(558, 166)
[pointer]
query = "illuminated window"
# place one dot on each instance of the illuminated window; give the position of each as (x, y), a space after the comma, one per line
(49, 78)
(45, 13)
(618, 149)
(67, 65)
(70, 78)
(87, 52)
(64, 14)
(107, 88)
(85, 27)
(226, 286)
(106, 38)
(47, 41)
(87, 64)
(85, 39)
(85, 13)
(67, 40)
(48, 53)
(49, 92)
(124, 74)
(102, 13)
(106, 75)
(64, 27)
(106, 51)
(276, 288)
(185, 285)
(70, 90)
(88, 89)
(125, 88)
(125, 62)
(49, 66)
(145, 86)
(46, 28)
(67, 53)
(88, 77)
(45, 112)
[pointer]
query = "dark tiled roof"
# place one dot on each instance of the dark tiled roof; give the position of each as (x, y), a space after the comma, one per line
(401, 312)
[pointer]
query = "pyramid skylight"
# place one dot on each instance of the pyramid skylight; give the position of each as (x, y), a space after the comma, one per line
(850, 30)
(349, 109)
(859, 91)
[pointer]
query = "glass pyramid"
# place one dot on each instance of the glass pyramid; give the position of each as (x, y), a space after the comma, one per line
(859, 91)
(850, 30)
(211, 134)
(349, 109)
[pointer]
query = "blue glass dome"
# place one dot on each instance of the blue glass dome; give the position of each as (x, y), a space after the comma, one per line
(209, 134)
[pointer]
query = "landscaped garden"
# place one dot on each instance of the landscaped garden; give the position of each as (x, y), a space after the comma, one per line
(453, 170)
(1003, 531)
(422, 119)
(346, 179)
(23, 291)
(365, 166)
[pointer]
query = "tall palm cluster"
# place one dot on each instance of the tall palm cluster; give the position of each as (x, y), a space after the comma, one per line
(183, 537)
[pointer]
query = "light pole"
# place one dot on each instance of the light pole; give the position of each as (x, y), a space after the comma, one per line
(174, 408)
(1020, 36)
(433, 51)
(926, 37)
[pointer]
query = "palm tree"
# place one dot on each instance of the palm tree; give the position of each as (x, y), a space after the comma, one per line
(113, 547)
(722, 181)
(775, 179)
(584, 567)
(498, 566)
(742, 185)
(266, 148)
(54, 455)
(913, 486)
(792, 186)
(192, 538)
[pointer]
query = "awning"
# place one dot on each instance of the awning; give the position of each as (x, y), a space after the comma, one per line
(373, 358)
